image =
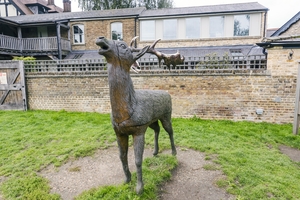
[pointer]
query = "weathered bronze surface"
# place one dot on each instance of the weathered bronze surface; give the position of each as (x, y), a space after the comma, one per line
(169, 59)
(133, 111)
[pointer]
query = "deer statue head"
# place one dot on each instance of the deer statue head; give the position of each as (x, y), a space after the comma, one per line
(118, 53)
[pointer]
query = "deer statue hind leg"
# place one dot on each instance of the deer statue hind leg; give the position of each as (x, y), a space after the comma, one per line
(167, 125)
(156, 128)
(123, 153)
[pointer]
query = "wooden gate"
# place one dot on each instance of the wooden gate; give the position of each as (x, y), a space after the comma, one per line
(12, 86)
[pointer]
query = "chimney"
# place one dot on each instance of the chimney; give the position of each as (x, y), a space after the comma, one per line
(50, 2)
(67, 5)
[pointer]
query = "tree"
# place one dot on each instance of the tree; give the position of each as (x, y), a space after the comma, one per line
(117, 4)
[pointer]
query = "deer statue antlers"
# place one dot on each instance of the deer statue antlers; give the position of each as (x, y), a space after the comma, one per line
(169, 59)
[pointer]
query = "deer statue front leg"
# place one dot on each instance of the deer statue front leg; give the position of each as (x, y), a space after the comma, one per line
(123, 153)
(138, 142)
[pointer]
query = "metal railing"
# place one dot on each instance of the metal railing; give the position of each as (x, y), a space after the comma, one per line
(43, 44)
(254, 62)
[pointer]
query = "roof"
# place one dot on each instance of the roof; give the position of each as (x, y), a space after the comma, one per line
(287, 25)
(22, 6)
(139, 11)
(230, 50)
(44, 18)
(7, 21)
(270, 31)
(202, 10)
(52, 8)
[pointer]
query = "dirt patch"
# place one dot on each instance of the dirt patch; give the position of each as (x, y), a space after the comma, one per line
(189, 181)
(293, 153)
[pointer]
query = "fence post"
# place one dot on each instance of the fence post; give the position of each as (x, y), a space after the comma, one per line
(23, 83)
(297, 106)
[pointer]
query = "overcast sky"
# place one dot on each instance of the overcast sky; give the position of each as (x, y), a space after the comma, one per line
(280, 11)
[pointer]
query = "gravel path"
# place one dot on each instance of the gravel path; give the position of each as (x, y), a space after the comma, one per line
(189, 180)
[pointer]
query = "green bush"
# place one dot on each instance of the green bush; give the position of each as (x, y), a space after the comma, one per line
(24, 58)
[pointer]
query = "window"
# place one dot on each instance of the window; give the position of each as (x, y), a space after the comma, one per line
(117, 31)
(241, 25)
(216, 26)
(192, 28)
(78, 32)
(170, 29)
(148, 30)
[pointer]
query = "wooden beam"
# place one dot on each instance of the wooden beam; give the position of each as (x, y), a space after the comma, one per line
(58, 41)
(64, 26)
(20, 37)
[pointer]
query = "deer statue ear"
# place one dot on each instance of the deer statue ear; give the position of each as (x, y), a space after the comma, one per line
(141, 52)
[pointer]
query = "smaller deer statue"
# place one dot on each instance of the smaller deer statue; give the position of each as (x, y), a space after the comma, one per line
(133, 111)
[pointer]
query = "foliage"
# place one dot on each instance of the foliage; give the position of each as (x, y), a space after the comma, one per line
(118, 4)
(30, 62)
(213, 61)
(23, 58)
(247, 153)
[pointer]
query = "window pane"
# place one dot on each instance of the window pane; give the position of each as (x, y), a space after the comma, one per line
(241, 25)
(170, 29)
(216, 26)
(78, 33)
(192, 26)
(147, 30)
(116, 31)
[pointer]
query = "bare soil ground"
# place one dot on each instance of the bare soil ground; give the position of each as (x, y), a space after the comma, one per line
(189, 180)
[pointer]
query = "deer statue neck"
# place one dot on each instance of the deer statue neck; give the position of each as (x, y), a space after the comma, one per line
(120, 58)
(122, 94)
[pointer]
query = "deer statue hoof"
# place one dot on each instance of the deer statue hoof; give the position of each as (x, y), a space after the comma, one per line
(139, 189)
(127, 179)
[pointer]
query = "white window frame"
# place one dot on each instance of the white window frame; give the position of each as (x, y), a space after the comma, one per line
(147, 30)
(79, 36)
(114, 26)
(197, 26)
(212, 26)
(167, 30)
(237, 18)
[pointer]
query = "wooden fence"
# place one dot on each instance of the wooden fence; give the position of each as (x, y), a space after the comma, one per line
(12, 86)
(257, 63)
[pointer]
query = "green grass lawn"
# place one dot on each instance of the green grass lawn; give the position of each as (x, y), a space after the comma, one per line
(246, 152)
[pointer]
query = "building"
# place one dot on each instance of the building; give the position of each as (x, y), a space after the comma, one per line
(283, 48)
(234, 27)
(31, 7)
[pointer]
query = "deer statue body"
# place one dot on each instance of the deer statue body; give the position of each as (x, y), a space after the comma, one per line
(133, 111)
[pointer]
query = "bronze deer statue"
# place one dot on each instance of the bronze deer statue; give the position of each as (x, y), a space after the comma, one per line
(133, 111)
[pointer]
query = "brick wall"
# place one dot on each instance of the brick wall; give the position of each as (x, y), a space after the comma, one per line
(210, 96)
(279, 62)
(94, 29)
(293, 30)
